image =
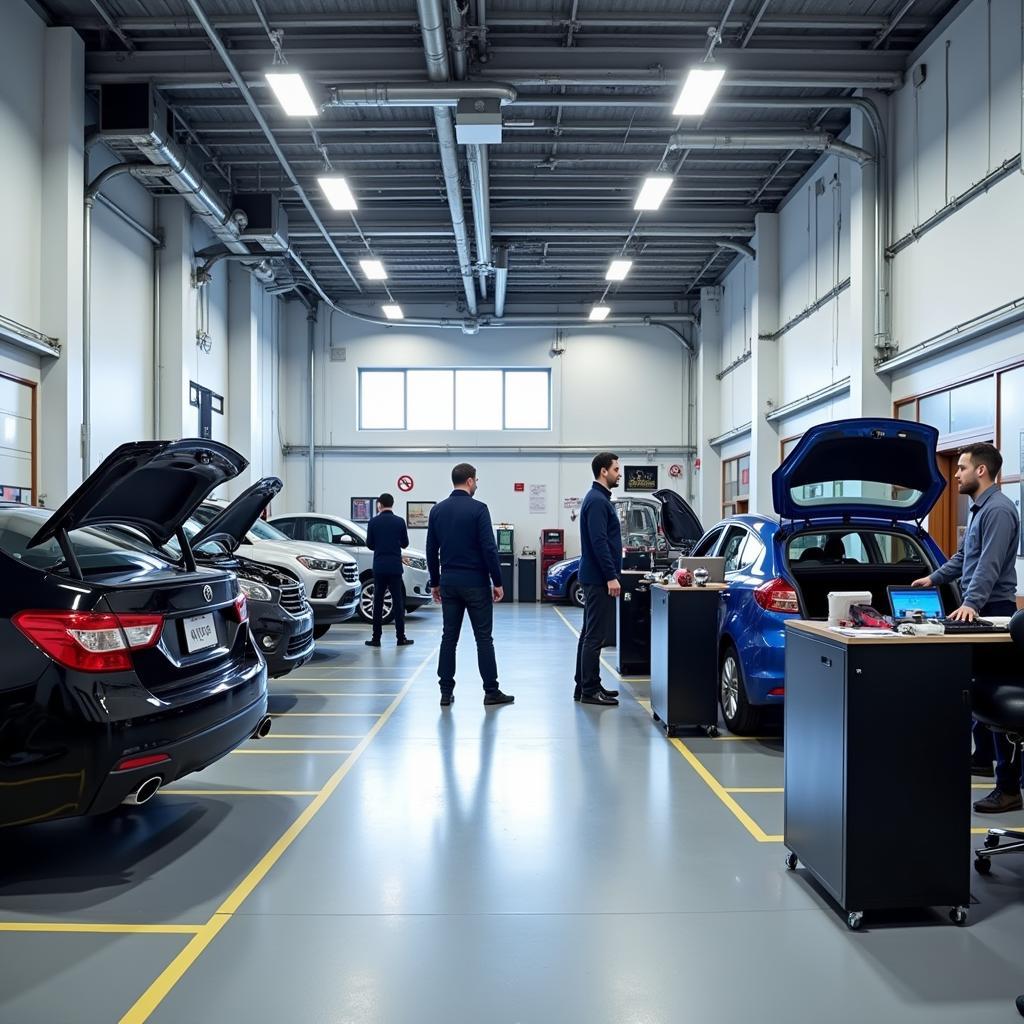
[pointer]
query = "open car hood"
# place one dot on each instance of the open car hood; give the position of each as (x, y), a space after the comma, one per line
(153, 486)
(881, 468)
(235, 520)
(678, 520)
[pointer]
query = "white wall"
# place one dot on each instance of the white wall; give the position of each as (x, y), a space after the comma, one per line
(737, 337)
(611, 388)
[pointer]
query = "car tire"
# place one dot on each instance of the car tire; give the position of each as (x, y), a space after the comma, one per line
(740, 716)
(365, 607)
(575, 594)
(321, 631)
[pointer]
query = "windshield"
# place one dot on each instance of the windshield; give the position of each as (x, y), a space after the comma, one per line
(264, 531)
(854, 492)
(96, 550)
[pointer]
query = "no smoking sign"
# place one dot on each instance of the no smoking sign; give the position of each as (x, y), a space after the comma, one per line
(406, 483)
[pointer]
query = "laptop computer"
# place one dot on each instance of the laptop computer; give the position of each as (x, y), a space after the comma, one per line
(714, 566)
(905, 601)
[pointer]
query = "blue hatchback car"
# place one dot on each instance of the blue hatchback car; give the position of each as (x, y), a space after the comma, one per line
(850, 499)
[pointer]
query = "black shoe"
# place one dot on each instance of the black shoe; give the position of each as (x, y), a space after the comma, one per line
(578, 692)
(372, 643)
(497, 697)
(982, 770)
(447, 699)
(999, 802)
(405, 642)
(600, 698)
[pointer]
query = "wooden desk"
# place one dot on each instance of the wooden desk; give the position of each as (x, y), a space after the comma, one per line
(684, 656)
(877, 764)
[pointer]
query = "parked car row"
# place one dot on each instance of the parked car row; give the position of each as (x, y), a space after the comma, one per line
(850, 501)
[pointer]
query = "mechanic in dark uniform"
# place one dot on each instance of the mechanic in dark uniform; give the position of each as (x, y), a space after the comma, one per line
(600, 566)
(386, 535)
(465, 576)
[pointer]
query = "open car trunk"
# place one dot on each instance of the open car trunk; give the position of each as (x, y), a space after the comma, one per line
(871, 559)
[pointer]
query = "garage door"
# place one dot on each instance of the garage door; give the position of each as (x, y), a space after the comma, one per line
(17, 433)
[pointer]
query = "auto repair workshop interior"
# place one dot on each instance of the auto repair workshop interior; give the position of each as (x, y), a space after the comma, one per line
(510, 511)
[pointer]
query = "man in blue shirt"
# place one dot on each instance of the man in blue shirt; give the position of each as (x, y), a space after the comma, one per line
(600, 566)
(386, 535)
(465, 576)
(986, 565)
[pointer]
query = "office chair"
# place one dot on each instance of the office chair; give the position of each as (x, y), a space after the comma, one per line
(999, 703)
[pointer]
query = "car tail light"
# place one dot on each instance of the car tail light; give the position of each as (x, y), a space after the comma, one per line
(90, 641)
(131, 763)
(777, 596)
(779, 691)
(241, 608)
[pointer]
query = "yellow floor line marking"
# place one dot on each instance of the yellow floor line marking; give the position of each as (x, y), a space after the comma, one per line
(754, 789)
(712, 783)
(291, 751)
(100, 929)
(324, 714)
(172, 974)
(239, 792)
(1009, 828)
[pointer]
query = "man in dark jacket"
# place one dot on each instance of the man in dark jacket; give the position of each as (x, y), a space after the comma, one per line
(465, 576)
(600, 565)
(386, 535)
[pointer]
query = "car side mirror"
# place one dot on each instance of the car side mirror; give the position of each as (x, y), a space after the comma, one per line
(345, 538)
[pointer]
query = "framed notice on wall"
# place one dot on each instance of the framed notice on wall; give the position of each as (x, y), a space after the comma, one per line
(641, 478)
(417, 513)
(361, 509)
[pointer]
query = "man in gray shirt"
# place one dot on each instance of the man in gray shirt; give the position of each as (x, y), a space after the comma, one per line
(985, 564)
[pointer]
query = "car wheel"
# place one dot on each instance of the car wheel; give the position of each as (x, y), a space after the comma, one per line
(576, 595)
(365, 610)
(741, 718)
(321, 631)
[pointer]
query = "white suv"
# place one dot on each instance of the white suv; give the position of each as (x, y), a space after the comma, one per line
(351, 537)
(330, 575)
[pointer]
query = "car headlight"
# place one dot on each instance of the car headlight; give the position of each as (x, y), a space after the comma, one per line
(557, 567)
(255, 591)
(414, 563)
(318, 564)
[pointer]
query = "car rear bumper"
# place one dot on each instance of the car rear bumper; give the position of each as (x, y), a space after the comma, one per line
(203, 734)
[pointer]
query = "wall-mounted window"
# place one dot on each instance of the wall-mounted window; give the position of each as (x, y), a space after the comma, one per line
(736, 485)
(463, 399)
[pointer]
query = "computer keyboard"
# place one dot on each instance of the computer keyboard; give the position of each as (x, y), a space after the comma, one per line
(977, 626)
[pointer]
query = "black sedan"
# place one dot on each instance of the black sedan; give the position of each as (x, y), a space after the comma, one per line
(121, 671)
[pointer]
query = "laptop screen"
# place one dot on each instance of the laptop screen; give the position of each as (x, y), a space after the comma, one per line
(907, 600)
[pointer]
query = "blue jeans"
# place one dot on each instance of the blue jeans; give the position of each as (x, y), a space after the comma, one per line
(992, 746)
(479, 603)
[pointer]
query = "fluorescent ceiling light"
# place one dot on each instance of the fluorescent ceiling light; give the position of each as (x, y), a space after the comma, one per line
(292, 94)
(618, 269)
(600, 312)
(653, 192)
(374, 270)
(338, 194)
(393, 312)
(698, 89)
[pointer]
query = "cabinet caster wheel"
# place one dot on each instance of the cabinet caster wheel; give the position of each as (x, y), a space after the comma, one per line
(983, 865)
(991, 842)
(958, 915)
(670, 731)
(791, 862)
(854, 919)
(711, 731)
(655, 716)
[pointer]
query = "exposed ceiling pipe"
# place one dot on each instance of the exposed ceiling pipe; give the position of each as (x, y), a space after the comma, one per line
(740, 247)
(239, 81)
(821, 141)
(434, 94)
(500, 280)
(666, 321)
(436, 50)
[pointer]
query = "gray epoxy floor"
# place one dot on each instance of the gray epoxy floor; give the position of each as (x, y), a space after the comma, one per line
(531, 864)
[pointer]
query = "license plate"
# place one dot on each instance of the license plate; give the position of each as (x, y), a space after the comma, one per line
(200, 633)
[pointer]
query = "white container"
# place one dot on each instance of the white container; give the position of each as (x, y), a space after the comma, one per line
(839, 602)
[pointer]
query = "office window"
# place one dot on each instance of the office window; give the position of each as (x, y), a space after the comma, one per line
(735, 485)
(478, 400)
(454, 399)
(431, 399)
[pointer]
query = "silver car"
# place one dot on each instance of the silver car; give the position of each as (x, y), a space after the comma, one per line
(327, 529)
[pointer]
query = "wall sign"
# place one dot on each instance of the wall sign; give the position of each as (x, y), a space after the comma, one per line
(675, 470)
(641, 478)
(538, 499)
(519, 488)
(361, 509)
(406, 483)
(417, 514)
